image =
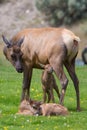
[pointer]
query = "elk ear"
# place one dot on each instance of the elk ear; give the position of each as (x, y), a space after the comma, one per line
(20, 41)
(6, 41)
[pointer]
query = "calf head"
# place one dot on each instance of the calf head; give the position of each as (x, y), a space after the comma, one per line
(48, 68)
(12, 52)
(46, 75)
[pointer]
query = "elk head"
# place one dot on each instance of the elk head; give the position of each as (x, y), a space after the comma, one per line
(12, 52)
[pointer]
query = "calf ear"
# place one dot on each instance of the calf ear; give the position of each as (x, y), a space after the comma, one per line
(6, 41)
(20, 41)
(41, 65)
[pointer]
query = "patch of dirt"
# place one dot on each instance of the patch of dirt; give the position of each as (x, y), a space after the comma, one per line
(19, 14)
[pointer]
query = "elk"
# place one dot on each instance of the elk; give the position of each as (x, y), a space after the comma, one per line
(52, 109)
(26, 109)
(29, 108)
(55, 46)
(48, 83)
(47, 109)
(38, 108)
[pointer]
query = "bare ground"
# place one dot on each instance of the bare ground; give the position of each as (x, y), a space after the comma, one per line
(18, 14)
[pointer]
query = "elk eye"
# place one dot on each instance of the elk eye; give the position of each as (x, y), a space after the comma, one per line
(13, 57)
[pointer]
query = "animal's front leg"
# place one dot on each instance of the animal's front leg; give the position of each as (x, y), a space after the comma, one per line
(27, 75)
(49, 96)
(52, 95)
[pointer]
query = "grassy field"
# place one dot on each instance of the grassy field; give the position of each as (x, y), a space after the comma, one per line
(10, 92)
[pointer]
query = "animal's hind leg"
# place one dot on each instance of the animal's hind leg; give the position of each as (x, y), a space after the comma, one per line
(58, 68)
(57, 90)
(71, 70)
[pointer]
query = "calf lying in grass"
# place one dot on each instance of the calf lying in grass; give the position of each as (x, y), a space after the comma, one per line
(50, 109)
(48, 84)
(26, 109)
(37, 108)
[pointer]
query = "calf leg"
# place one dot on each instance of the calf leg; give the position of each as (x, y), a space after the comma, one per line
(44, 96)
(71, 70)
(52, 95)
(26, 83)
(49, 96)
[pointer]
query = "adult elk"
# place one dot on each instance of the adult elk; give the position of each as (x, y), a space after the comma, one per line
(55, 46)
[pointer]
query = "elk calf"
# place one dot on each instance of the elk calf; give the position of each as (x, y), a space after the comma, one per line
(50, 109)
(26, 109)
(48, 84)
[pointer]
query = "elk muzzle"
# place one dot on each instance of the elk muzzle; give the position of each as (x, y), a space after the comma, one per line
(19, 67)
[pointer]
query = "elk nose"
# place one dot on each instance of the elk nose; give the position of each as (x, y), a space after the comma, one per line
(19, 70)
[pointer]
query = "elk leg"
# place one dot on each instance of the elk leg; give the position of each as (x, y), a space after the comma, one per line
(44, 95)
(63, 80)
(52, 95)
(71, 70)
(26, 83)
(49, 96)
(64, 83)
(57, 90)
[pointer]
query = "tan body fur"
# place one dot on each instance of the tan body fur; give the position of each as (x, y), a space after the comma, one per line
(40, 40)
(53, 109)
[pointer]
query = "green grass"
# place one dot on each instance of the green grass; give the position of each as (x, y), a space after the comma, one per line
(10, 93)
